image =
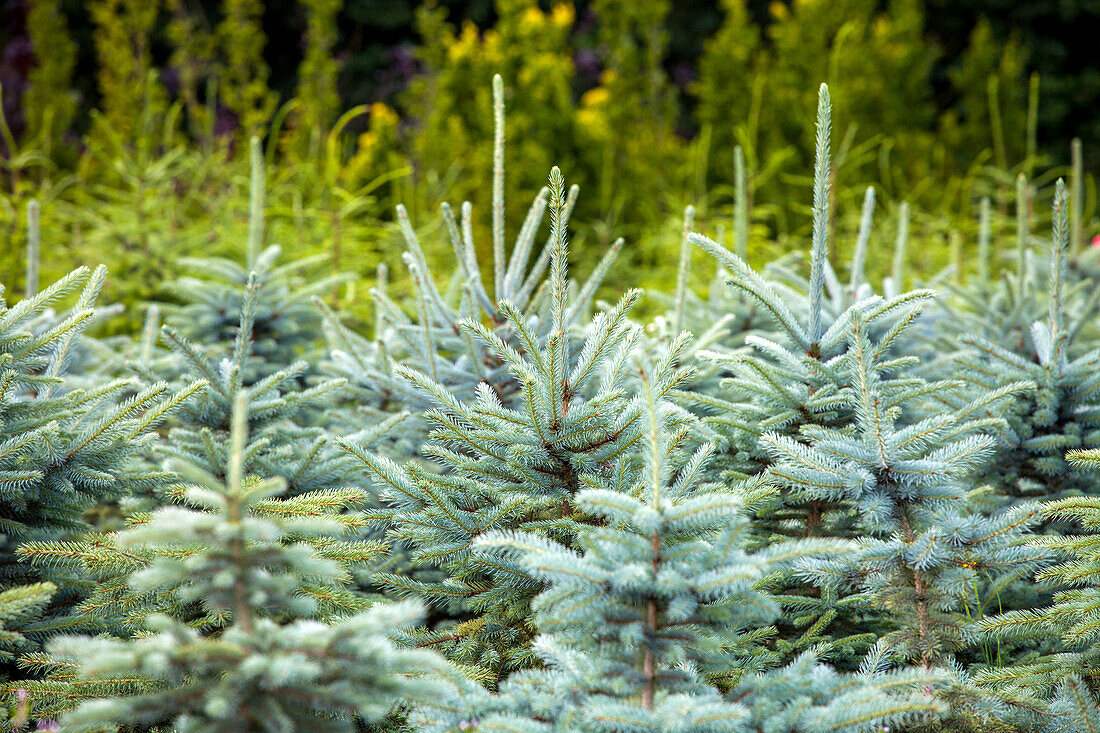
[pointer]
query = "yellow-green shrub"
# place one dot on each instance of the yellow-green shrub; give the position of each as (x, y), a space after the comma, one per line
(49, 104)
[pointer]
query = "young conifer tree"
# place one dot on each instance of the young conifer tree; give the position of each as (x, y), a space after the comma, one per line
(250, 330)
(514, 464)
(923, 555)
(285, 323)
(1062, 412)
(1005, 310)
(280, 403)
(432, 340)
(656, 611)
(799, 377)
(724, 316)
(63, 448)
(1062, 672)
(316, 478)
(273, 668)
(253, 325)
(1009, 304)
(89, 360)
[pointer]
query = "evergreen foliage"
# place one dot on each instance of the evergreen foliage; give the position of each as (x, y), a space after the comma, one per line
(64, 448)
(922, 555)
(801, 503)
(794, 374)
(315, 478)
(284, 446)
(150, 169)
(1062, 411)
(658, 603)
(272, 669)
(277, 400)
(317, 75)
(525, 301)
(906, 483)
(512, 461)
(782, 385)
(127, 80)
(244, 70)
(1060, 673)
(50, 104)
(18, 607)
(283, 321)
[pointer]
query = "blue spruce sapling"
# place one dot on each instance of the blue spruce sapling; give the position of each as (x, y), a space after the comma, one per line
(273, 668)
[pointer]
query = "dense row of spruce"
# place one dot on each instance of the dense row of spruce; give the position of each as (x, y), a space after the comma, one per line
(804, 504)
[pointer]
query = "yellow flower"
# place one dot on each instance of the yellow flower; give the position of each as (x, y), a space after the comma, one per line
(466, 44)
(562, 15)
(367, 141)
(382, 114)
(595, 97)
(532, 19)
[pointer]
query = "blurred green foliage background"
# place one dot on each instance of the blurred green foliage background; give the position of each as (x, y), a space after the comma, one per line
(128, 121)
